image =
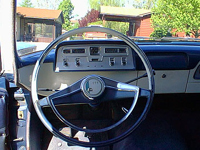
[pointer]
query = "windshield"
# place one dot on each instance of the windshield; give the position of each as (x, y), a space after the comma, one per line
(40, 22)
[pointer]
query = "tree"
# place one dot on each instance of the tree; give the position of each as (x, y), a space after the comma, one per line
(159, 33)
(177, 16)
(73, 26)
(91, 16)
(96, 4)
(26, 3)
(118, 26)
(100, 22)
(67, 7)
(47, 4)
(143, 4)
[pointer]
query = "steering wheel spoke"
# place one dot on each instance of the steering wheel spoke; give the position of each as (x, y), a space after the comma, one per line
(145, 93)
(69, 95)
(119, 91)
(113, 94)
(44, 102)
(75, 97)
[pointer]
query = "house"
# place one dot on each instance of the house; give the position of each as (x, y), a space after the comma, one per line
(40, 25)
(139, 19)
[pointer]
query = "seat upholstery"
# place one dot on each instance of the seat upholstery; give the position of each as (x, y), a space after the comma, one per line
(3, 116)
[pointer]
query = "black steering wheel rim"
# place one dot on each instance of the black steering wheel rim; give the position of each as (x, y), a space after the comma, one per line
(56, 112)
(40, 61)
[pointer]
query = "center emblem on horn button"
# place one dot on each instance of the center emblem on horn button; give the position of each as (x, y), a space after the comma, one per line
(92, 87)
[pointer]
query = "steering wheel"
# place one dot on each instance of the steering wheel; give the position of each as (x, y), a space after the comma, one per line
(92, 90)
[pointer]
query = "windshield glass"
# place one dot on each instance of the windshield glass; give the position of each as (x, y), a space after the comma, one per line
(40, 22)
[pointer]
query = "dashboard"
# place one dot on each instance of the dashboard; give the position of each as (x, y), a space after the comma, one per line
(94, 57)
(176, 65)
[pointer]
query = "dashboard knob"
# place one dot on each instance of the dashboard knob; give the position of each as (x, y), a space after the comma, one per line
(78, 62)
(124, 61)
(112, 61)
(65, 63)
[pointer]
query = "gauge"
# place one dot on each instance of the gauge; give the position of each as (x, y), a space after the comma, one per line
(66, 51)
(111, 50)
(94, 50)
(78, 50)
(115, 50)
(122, 50)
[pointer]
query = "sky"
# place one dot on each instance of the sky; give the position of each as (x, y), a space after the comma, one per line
(80, 7)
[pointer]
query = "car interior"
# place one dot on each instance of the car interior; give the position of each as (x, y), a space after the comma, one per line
(107, 94)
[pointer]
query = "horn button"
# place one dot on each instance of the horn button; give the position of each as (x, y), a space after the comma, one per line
(92, 87)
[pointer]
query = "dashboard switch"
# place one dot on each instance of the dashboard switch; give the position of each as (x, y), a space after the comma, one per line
(77, 62)
(124, 61)
(65, 63)
(112, 61)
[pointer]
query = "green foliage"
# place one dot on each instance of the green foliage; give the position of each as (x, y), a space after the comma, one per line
(96, 4)
(159, 33)
(177, 16)
(73, 26)
(118, 26)
(96, 23)
(144, 4)
(67, 7)
(26, 3)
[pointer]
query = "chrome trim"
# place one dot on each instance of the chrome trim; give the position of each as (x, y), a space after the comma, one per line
(42, 117)
(43, 102)
(127, 87)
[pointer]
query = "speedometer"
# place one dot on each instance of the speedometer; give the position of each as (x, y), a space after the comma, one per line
(94, 50)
